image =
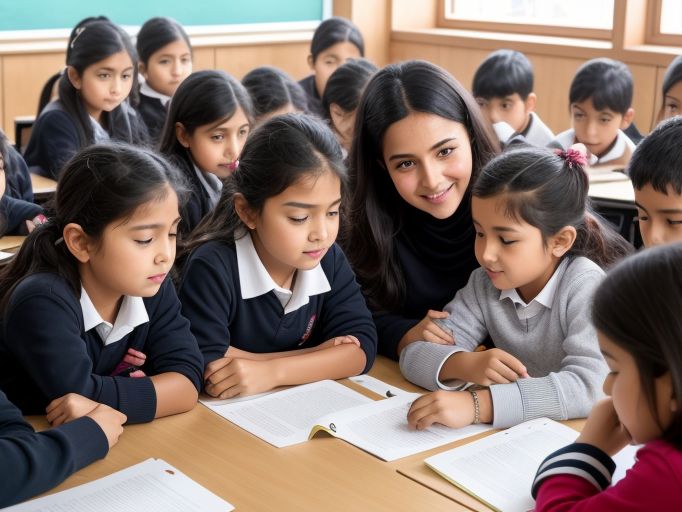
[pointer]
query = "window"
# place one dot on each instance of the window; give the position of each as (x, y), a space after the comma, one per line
(664, 22)
(671, 17)
(549, 17)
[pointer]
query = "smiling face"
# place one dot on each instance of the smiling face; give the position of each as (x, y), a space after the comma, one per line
(429, 160)
(623, 384)
(215, 147)
(167, 67)
(133, 255)
(296, 228)
(597, 129)
(104, 85)
(512, 251)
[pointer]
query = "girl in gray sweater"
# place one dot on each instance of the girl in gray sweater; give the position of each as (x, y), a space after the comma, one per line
(541, 254)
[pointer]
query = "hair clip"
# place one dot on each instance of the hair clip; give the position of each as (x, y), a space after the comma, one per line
(79, 31)
(572, 157)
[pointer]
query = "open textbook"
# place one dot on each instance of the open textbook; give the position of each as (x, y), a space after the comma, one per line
(379, 427)
(498, 470)
(150, 486)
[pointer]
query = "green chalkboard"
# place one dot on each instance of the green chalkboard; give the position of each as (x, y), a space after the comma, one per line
(51, 14)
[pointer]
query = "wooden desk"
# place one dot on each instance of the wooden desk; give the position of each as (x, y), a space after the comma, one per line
(324, 474)
(43, 188)
(11, 243)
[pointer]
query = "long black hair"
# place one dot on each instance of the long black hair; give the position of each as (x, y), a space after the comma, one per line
(279, 153)
(101, 184)
(346, 84)
(637, 307)
(204, 97)
(335, 30)
(550, 192)
(156, 33)
(376, 207)
(92, 42)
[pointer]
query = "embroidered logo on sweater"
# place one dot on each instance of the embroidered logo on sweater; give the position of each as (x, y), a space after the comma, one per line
(308, 329)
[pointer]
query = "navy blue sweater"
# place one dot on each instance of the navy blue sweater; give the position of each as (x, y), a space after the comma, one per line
(314, 100)
(35, 462)
(54, 137)
(154, 116)
(197, 204)
(17, 204)
(45, 354)
(211, 298)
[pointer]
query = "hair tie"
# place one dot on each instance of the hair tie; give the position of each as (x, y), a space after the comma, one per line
(572, 157)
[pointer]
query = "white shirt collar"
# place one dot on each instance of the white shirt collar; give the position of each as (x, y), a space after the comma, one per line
(148, 91)
(131, 314)
(211, 183)
(567, 139)
(255, 280)
(544, 299)
(98, 132)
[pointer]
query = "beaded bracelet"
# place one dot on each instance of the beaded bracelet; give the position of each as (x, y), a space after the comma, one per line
(477, 407)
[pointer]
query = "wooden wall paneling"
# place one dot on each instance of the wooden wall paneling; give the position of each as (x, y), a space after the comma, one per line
(239, 60)
(373, 18)
(23, 77)
(644, 97)
(203, 58)
(10, 134)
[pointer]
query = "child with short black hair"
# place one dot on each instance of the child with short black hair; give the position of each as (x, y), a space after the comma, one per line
(656, 173)
(503, 87)
(637, 316)
(600, 102)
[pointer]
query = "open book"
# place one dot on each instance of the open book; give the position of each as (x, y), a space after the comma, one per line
(379, 427)
(498, 470)
(152, 485)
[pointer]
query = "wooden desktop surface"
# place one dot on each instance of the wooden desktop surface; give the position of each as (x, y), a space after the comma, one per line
(42, 186)
(324, 474)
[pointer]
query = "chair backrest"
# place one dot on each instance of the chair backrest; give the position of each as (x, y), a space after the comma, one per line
(22, 131)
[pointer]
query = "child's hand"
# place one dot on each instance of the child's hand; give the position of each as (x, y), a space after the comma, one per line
(228, 377)
(428, 330)
(69, 407)
(110, 421)
(130, 364)
(493, 366)
(604, 430)
(450, 408)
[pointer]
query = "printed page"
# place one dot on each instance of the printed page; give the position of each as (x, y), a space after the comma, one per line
(380, 428)
(286, 417)
(150, 486)
(499, 469)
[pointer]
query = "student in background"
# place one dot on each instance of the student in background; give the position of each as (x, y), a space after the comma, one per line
(600, 102)
(209, 119)
(273, 92)
(540, 252)
(335, 41)
(165, 61)
(636, 313)
(18, 213)
(270, 296)
(656, 173)
(503, 87)
(109, 324)
(672, 90)
(342, 95)
(91, 107)
(36, 462)
(420, 141)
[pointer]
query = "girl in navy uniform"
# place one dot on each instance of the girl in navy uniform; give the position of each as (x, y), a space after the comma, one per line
(336, 40)
(92, 105)
(270, 296)
(86, 307)
(209, 119)
(165, 61)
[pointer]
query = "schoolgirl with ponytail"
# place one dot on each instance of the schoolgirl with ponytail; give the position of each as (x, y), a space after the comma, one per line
(542, 254)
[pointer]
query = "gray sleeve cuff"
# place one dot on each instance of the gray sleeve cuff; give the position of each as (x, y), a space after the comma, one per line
(507, 405)
(421, 362)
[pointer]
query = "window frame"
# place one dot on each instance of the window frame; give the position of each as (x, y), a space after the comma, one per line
(653, 33)
(443, 21)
